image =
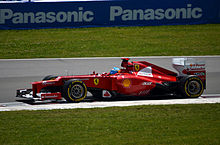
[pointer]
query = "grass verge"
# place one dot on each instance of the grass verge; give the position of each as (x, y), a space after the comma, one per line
(169, 124)
(112, 41)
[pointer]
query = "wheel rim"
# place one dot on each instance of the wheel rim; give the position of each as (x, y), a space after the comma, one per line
(77, 91)
(194, 87)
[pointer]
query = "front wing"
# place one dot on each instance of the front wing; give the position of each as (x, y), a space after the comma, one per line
(28, 94)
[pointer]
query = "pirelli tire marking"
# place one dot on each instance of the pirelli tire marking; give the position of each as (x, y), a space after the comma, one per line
(76, 91)
(193, 87)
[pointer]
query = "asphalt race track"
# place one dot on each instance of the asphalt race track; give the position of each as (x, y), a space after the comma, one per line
(17, 74)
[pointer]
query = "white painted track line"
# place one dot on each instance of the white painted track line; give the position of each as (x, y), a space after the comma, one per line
(17, 106)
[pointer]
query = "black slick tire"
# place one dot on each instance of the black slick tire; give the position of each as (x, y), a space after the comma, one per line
(74, 90)
(191, 87)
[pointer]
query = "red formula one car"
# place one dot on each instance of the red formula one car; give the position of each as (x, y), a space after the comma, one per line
(137, 78)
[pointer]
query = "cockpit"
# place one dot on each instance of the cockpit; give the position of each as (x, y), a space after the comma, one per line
(115, 70)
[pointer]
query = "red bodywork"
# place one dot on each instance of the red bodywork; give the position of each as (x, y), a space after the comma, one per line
(137, 78)
(129, 81)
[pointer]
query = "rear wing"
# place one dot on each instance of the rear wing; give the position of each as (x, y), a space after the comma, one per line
(190, 66)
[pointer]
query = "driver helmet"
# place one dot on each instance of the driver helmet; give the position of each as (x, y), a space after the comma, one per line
(114, 70)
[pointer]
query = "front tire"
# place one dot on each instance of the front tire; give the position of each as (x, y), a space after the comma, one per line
(74, 91)
(191, 87)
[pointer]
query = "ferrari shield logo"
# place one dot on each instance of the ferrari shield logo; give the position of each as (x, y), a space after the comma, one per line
(96, 81)
(137, 67)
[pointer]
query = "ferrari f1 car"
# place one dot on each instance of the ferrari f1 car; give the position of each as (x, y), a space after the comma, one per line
(137, 78)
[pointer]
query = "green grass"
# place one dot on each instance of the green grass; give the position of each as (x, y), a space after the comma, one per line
(170, 124)
(111, 41)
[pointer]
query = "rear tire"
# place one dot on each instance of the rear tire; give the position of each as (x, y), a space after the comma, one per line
(74, 91)
(191, 87)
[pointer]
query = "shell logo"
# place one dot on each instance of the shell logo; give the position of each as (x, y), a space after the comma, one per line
(126, 83)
